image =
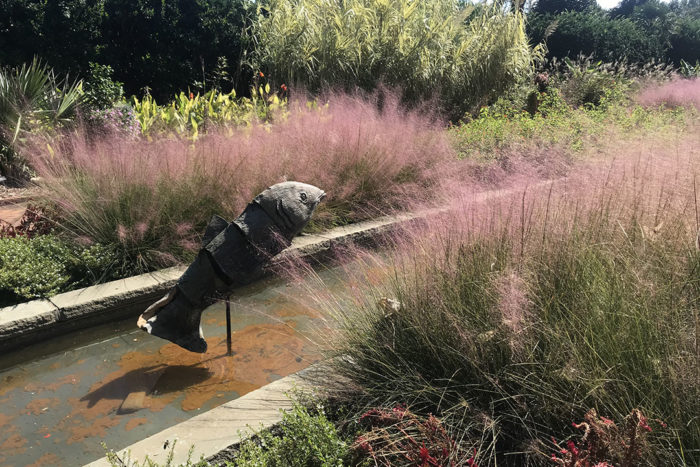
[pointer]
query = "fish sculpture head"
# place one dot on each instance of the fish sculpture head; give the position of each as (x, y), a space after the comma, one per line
(290, 205)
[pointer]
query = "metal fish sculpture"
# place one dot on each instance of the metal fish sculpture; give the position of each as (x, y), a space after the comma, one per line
(232, 254)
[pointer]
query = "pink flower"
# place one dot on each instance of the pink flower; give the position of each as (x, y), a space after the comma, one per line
(643, 423)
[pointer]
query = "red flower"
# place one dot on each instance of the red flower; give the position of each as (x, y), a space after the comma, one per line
(471, 462)
(424, 453)
(191, 95)
(261, 74)
(284, 88)
(643, 423)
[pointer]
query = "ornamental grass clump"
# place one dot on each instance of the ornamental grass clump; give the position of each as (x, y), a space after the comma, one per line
(509, 319)
(151, 199)
(678, 92)
(458, 53)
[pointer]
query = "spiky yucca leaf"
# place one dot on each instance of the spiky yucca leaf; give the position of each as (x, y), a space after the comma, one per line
(31, 98)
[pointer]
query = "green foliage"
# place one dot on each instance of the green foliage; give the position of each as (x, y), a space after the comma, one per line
(32, 99)
(170, 45)
(424, 49)
(46, 265)
(690, 71)
(125, 460)
(637, 30)
(559, 6)
(685, 38)
(595, 33)
(100, 92)
(585, 83)
(164, 46)
(584, 104)
(66, 33)
(304, 438)
(188, 115)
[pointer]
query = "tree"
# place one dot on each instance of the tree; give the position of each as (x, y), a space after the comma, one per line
(163, 45)
(66, 33)
(558, 6)
(596, 33)
(167, 46)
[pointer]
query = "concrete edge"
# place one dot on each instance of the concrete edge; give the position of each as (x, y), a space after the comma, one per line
(32, 322)
(215, 430)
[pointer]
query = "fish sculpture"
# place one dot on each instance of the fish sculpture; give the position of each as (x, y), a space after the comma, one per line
(232, 254)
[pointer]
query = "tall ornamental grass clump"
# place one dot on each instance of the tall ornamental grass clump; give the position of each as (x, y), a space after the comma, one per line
(151, 199)
(511, 319)
(678, 92)
(426, 49)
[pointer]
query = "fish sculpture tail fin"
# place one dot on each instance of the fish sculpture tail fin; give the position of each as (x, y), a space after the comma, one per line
(174, 318)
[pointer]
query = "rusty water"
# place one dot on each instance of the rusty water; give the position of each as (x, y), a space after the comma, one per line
(117, 384)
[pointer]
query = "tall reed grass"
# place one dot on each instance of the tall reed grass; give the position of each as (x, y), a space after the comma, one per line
(518, 315)
(458, 53)
(152, 198)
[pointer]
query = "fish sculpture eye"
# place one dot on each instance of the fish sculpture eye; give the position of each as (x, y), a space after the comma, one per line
(303, 197)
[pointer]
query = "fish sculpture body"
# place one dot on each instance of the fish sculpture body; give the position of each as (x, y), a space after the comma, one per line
(232, 254)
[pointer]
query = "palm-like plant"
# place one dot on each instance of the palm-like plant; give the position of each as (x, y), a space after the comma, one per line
(32, 99)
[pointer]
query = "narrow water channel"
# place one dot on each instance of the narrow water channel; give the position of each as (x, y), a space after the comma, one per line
(115, 383)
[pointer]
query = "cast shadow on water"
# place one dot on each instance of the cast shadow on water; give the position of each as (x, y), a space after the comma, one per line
(157, 379)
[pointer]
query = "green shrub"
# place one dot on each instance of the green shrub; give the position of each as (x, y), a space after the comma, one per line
(304, 438)
(100, 91)
(435, 48)
(593, 32)
(591, 84)
(190, 115)
(582, 108)
(46, 265)
(163, 46)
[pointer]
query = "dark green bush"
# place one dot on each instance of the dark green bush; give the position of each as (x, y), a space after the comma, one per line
(164, 46)
(100, 91)
(595, 33)
(46, 265)
(305, 439)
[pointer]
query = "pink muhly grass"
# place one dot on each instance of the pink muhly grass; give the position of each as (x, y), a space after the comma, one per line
(476, 313)
(368, 161)
(513, 302)
(678, 92)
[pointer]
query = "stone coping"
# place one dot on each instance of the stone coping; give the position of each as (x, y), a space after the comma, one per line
(32, 322)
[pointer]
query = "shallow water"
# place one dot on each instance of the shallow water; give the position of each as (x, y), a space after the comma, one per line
(61, 398)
